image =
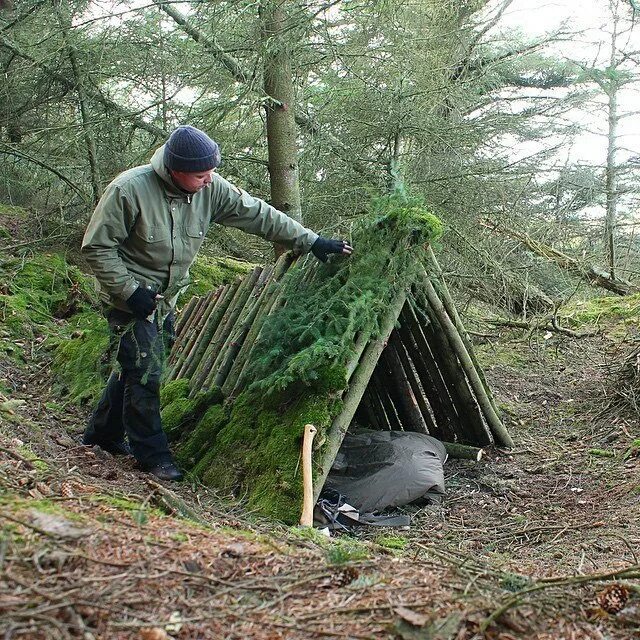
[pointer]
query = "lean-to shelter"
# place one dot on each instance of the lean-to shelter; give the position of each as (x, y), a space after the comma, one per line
(374, 339)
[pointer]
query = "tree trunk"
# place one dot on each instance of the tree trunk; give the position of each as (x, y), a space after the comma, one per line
(281, 124)
(92, 155)
(612, 169)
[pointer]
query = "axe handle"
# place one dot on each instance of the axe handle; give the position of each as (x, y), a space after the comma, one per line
(306, 520)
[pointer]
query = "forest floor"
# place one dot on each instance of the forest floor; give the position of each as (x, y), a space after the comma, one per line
(541, 542)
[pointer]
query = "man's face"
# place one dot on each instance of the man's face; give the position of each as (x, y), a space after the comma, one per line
(192, 182)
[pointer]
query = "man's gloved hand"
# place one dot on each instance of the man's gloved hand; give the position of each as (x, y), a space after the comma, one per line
(322, 247)
(142, 303)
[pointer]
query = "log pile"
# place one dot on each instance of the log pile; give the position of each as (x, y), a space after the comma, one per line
(418, 372)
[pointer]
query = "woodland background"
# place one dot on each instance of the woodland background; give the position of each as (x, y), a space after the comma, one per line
(318, 106)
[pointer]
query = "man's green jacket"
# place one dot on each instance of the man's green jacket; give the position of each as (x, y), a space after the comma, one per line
(146, 232)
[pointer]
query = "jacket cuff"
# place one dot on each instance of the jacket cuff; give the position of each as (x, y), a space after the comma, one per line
(311, 237)
(128, 289)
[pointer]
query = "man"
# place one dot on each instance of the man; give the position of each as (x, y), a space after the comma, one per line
(140, 243)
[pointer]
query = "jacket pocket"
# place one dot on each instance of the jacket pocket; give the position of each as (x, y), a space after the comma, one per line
(195, 231)
(152, 233)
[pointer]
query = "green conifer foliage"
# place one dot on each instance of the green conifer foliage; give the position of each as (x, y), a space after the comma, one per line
(311, 337)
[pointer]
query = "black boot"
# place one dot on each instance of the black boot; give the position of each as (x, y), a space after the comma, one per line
(167, 471)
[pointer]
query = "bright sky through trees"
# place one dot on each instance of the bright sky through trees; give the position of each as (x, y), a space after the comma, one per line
(590, 20)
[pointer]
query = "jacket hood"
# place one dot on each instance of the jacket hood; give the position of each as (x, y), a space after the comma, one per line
(157, 164)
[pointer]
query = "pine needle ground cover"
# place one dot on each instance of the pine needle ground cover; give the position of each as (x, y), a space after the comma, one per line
(299, 368)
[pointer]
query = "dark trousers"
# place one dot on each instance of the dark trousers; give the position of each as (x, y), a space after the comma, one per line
(130, 404)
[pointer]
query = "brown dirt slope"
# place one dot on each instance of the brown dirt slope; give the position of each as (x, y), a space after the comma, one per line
(537, 543)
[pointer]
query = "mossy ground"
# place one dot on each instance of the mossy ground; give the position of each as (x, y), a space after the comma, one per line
(607, 309)
(43, 296)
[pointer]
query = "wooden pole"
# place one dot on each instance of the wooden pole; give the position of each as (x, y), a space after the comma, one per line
(235, 381)
(197, 332)
(463, 451)
(418, 390)
(183, 336)
(185, 312)
(199, 372)
(359, 382)
(221, 341)
(449, 305)
(498, 430)
(407, 404)
(471, 422)
(237, 339)
(431, 378)
(202, 333)
(306, 519)
(381, 382)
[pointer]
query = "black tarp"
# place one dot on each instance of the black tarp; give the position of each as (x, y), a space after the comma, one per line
(376, 470)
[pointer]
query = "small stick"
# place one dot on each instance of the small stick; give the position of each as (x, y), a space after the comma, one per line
(306, 519)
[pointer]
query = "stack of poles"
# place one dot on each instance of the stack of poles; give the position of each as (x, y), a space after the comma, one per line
(216, 333)
(418, 374)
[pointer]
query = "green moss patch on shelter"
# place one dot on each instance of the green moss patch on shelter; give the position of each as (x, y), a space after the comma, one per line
(208, 273)
(257, 453)
(202, 436)
(174, 390)
(181, 415)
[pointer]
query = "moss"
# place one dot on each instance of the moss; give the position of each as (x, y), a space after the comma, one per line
(203, 434)
(26, 452)
(494, 354)
(346, 550)
(124, 504)
(179, 537)
(81, 363)
(392, 542)
(606, 309)
(256, 453)
(177, 415)
(312, 535)
(39, 289)
(209, 273)
(414, 220)
(38, 295)
(181, 416)
(174, 390)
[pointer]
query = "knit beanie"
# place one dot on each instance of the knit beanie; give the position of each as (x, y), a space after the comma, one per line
(190, 150)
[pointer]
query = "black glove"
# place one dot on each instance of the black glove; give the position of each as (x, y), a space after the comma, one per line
(142, 303)
(322, 247)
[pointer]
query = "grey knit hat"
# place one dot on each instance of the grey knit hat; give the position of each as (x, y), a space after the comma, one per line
(190, 150)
